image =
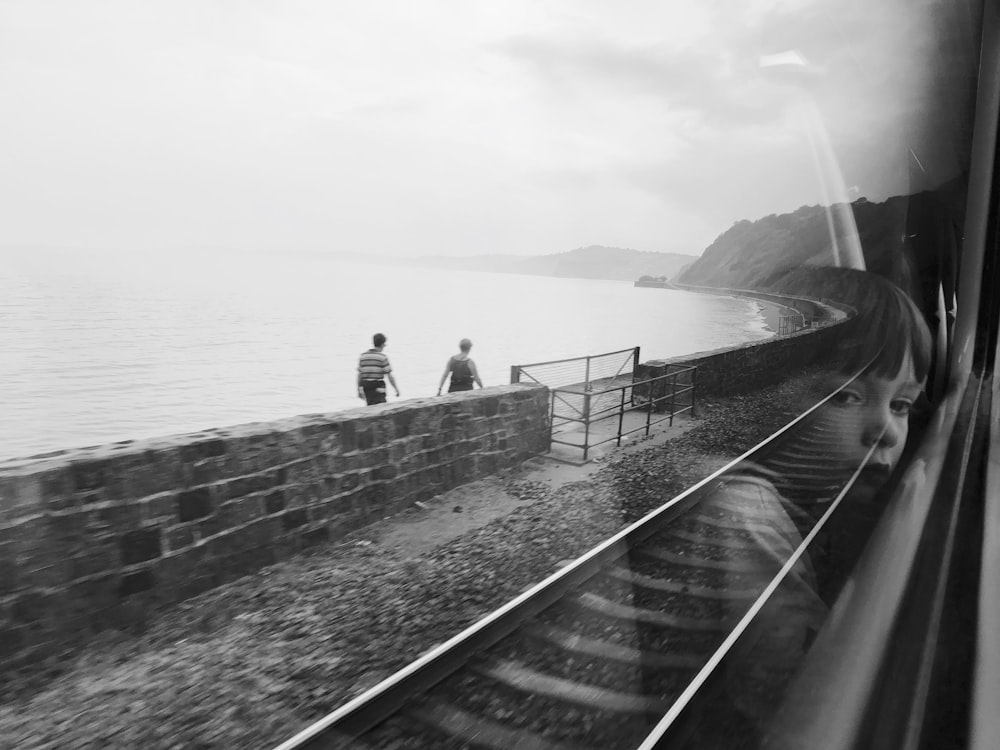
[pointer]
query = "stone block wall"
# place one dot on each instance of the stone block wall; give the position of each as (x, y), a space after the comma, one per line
(748, 367)
(93, 538)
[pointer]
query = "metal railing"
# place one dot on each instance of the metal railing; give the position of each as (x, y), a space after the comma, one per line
(672, 393)
(580, 371)
(788, 324)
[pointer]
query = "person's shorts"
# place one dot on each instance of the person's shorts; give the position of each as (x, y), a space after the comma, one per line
(374, 391)
(459, 386)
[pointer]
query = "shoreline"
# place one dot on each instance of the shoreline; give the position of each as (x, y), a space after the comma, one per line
(772, 313)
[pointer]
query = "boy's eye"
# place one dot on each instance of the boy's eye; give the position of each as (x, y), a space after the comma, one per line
(901, 406)
(846, 397)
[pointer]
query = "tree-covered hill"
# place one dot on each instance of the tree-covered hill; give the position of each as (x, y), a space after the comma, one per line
(899, 237)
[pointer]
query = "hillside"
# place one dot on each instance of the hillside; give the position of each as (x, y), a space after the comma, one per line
(898, 237)
(593, 262)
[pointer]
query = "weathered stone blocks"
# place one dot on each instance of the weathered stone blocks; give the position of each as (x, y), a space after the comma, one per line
(91, 538)
(192, 504)
(746, 367)
(140, 545)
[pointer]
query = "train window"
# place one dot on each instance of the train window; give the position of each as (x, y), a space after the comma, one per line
(809, 595)
(830, 583)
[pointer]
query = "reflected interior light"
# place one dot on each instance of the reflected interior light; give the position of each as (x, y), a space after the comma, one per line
(845, 244)
(789, 57)
(919, 164)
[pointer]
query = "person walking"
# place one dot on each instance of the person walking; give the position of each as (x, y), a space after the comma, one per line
(462, 370)
(373, 369)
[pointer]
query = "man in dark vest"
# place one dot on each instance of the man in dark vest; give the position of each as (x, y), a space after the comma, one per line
(462, 370)
(373, 369)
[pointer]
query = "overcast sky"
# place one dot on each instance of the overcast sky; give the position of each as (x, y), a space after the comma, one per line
(450, 127)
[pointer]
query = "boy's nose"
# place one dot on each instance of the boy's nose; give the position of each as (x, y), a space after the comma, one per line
(879, 429)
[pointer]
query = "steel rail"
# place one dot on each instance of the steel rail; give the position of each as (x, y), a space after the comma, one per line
(445, 658)
(361, 713)
(659, 733)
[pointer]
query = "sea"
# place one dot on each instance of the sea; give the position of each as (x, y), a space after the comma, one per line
(100, 346)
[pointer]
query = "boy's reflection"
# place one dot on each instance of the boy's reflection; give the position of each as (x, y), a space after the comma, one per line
(765, 509)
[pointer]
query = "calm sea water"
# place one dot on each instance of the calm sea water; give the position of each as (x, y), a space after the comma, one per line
(98, 347)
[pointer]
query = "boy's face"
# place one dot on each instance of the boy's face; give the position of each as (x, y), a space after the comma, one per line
(871, 415)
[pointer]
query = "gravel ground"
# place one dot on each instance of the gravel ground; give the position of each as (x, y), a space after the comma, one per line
(252, 662)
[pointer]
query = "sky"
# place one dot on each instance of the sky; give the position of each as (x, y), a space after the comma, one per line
(454, 127)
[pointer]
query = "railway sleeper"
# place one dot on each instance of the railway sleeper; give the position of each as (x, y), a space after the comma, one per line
(525, 679)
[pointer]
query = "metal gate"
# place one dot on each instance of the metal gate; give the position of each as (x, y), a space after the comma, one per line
(570, 379)
(587, 390)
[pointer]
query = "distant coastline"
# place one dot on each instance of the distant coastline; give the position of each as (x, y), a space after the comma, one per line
(592, 262)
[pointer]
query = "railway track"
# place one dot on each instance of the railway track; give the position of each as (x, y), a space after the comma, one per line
(640, 640)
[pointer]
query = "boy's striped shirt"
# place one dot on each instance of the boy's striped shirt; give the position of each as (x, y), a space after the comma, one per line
(373, 365)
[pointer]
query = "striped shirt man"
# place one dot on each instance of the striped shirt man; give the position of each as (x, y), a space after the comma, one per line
(373, 365)
(373, 369)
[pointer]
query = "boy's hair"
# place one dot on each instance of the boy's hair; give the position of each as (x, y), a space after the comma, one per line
(465, 345)
(378, 340)
(888, 326)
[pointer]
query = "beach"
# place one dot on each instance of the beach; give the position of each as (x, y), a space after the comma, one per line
(772, 313)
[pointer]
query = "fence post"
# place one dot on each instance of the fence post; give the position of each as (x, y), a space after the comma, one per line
(515, 374)
(635, 369)
(586, 423)
(621, 417)
(672, 385)
(649, 406)
(586, 376)
(694, 389)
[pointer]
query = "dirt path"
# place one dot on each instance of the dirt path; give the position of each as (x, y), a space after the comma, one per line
(419, 529)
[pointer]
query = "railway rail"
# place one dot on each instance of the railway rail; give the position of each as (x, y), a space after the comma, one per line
(601, 651)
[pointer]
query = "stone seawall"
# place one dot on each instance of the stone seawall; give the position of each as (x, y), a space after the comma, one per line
(93, 538)
(748, 367)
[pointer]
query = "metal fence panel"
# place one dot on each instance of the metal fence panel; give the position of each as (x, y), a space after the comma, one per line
(586, 390)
